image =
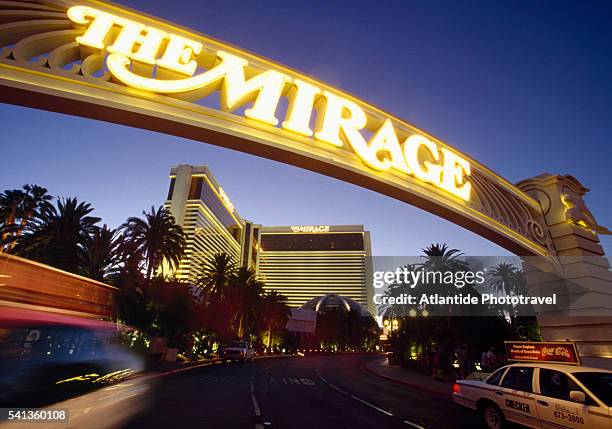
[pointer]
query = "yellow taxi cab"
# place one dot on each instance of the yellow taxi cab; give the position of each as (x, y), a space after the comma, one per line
(541, 395)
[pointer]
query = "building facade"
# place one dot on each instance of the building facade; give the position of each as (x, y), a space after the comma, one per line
(306, 261)
(208, 218)
(301, 262)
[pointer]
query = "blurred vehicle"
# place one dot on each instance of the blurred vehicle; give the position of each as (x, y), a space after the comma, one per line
(46, 357)
(107, 408)
(241, 351)
(540, 395)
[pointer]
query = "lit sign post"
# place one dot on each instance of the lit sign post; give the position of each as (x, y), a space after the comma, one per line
(226, 200)
(339, 120)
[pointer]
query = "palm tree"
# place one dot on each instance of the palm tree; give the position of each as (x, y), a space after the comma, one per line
(19, 205)
(275, 312)
(155, 239)
(215, 275)
(508, 280)
(244, 297)
(10, 203)
(55, 235)
(504, 278)
(438, 257)
(101, 254)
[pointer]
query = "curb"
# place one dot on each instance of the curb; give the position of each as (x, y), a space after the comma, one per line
(272, 357)
(370, 371)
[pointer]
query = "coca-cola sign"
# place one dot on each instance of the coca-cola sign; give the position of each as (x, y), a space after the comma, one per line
(551, 352)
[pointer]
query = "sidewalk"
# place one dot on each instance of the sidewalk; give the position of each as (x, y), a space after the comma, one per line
(413, 380)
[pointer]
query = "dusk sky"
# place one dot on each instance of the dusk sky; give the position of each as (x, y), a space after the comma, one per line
(524, 87)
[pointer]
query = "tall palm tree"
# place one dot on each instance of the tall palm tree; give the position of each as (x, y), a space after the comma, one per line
(244, 296)
(100, 254)
(215, 275)
(155, 239)
(275, 312)
(55, 235)
(508, 280)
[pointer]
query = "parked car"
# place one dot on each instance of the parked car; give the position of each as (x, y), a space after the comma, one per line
(241, 351)
(540, 396)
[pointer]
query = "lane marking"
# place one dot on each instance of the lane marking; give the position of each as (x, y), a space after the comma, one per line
(252, 388)
(337, 388)
(371, 405)
(255, 405)
(414, 425)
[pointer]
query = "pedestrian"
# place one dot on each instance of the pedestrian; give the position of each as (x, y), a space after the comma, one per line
(484, 362)
(462, 352)
(492, 359)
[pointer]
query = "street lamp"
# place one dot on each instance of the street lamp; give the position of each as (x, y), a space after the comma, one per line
(412, 312)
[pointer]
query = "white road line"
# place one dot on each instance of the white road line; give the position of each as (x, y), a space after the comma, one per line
(255, 405)
(337, 388)
(414, 425)
(373, 406)
(322, 379)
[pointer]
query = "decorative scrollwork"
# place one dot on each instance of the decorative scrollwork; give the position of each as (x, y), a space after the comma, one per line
(496, 202)
(41, 35)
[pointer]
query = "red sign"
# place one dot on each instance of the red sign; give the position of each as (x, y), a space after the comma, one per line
(550, 352)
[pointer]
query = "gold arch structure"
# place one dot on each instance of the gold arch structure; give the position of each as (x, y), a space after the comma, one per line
(102, 61)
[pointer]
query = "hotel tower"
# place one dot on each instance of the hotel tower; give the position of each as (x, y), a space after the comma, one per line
(301, 261)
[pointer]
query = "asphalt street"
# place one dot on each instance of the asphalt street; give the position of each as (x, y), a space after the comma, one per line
(310, 392)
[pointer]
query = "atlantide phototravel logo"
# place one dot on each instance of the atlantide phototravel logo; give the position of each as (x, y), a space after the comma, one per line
(152, 60)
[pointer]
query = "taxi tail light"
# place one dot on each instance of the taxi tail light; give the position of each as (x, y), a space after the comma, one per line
(456, 388)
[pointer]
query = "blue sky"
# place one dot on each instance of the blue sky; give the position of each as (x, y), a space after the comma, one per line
(523, 86)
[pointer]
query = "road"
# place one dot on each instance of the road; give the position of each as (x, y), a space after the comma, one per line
(295, 393)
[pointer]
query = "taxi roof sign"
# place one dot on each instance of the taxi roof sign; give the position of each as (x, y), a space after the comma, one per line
(560, 352)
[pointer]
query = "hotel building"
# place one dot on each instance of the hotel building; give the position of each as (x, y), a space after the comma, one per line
(208, 218)
(301, 262)
(306, 261)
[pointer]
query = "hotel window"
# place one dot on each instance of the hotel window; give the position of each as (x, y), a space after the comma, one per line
(195, 190)
(171, 189)
(312, 242)
(214, 204)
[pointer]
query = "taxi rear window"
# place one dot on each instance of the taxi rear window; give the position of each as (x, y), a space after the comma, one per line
(519, 378)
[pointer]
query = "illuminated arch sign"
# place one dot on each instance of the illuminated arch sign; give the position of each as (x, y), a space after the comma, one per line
(98, 60)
